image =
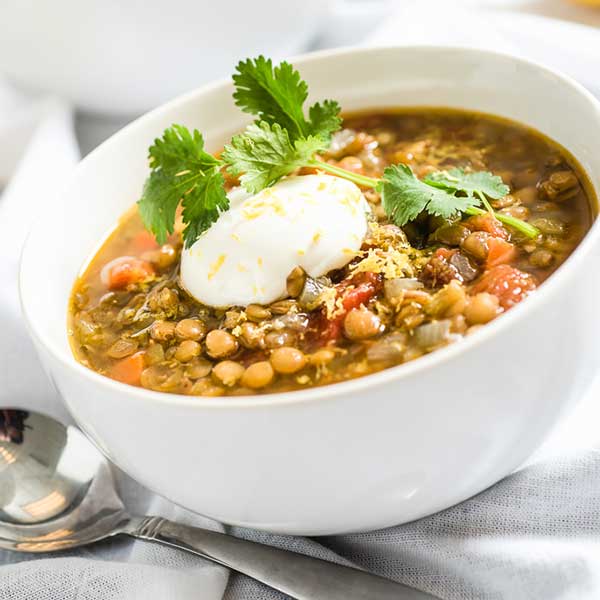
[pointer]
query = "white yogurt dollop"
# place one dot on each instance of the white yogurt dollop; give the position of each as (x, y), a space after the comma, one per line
(317, 222)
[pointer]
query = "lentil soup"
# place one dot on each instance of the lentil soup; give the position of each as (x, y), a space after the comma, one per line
(407, 292)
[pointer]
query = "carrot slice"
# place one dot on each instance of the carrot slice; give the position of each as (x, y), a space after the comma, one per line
(500, 252)
(144, 241)
(129, 369)
(122, 271)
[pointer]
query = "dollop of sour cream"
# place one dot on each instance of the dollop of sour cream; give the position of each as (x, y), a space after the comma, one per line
(317, 222)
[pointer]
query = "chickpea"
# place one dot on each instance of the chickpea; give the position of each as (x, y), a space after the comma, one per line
(228, 372)
(187, 350)
(220, 344)
(162, 330)
(476, 245)
(481, 308)
(190, 329)
(288, 360)
(361, 323)
(258, 375)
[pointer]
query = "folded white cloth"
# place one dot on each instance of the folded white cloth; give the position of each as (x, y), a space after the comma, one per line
(534, 535)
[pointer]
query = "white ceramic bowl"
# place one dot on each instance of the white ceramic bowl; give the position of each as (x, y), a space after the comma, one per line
(368, 453)
(123, 58)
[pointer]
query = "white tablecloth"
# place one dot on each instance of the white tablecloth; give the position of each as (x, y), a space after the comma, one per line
(536, 535)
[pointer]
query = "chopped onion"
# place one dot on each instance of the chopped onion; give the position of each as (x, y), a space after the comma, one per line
(389, 348)
(393, 288)
(309, 298)
(432, 334)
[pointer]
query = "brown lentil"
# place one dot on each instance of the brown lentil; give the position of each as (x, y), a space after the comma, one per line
(122, 348)
(187, 350)
(251, 335)
(220, 344)
(190, 329)
(361, 323)
(408, 314)
(257, 313)
(288, 360)
(162, 330)
(476, 245)
(198, 367)
(228, 372)
(258, 375)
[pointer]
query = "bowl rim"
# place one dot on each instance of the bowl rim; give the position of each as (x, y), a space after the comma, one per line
(391, 375)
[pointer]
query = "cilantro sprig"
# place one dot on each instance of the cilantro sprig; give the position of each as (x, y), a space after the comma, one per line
(283, 139)
(182, 172)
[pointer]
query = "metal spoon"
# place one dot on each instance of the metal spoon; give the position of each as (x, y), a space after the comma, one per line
(57, 492)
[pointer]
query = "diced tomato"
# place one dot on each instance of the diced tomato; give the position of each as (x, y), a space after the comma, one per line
(129, 369)
(444, 253)
(499, 252)
(509, 284)
(122, 271)
(487, 223)
(352, 292)
(144, 241)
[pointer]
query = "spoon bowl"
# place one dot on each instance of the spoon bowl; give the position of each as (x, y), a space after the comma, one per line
(57, 492)
(57, 489)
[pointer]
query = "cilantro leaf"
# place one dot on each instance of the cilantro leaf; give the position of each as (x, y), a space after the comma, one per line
(276, 95)
(404, 196)
(264, 153)
(325, 119)
(203, 204)
(158, 205)
(181, 170)
(479, 182)
(179, 148)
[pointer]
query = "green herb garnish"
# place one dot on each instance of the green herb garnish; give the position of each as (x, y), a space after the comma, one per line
(182, 171)
(264, 153)
(277, 95)
(405, 197)
(283, 139)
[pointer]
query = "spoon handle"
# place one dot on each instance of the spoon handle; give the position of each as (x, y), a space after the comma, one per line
(297, 575)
